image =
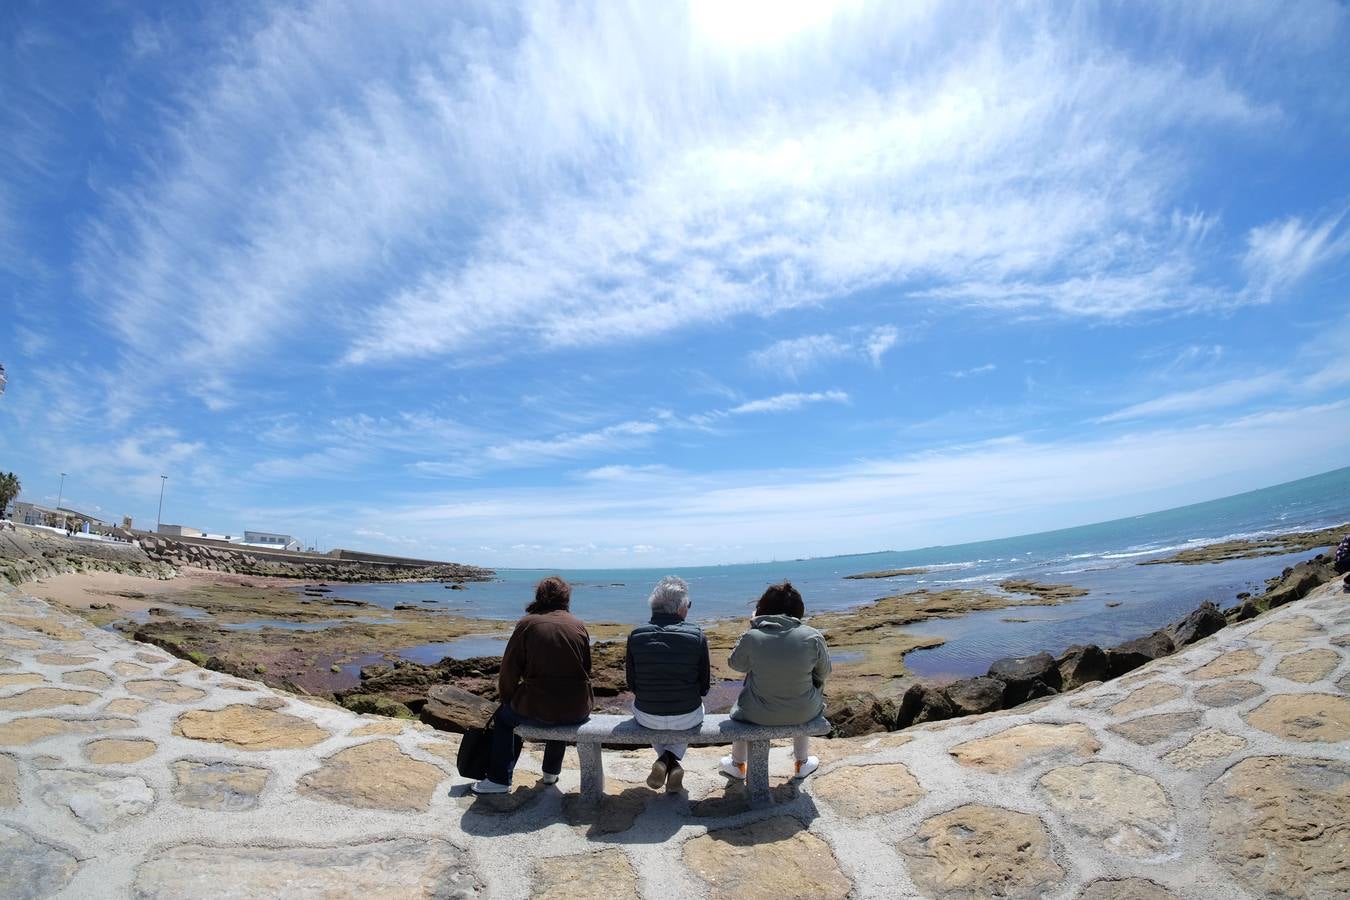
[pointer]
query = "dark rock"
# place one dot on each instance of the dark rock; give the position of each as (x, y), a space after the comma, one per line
(455, 587)
(398, 606)
(976, 695)
(852, 715)
(1131, 655)
(1201, 623)
(920, 704)
(451, 709)
(856, 714)
(1081, 664)
(373, 703)
(1018, 673)
(1038, 689)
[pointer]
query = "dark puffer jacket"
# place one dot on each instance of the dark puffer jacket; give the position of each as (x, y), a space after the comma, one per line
(667, 666)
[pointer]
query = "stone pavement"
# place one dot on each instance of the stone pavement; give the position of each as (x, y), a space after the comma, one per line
(1222, 771)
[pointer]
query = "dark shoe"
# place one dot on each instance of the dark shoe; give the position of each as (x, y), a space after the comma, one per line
(658, 774)
(674, 777)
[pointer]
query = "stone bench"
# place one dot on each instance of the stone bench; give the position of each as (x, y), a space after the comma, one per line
(624, 730)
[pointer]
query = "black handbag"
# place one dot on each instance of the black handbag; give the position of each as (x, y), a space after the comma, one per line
(475, 750)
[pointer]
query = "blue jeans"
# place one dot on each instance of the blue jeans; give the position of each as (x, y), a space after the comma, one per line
(503, 759)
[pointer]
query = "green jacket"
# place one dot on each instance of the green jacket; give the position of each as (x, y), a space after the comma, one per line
(785, 665)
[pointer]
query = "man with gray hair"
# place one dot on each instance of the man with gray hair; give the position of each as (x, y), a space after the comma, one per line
(669, 674)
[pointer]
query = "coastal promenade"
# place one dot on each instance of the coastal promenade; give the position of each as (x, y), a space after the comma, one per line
(1220, 771)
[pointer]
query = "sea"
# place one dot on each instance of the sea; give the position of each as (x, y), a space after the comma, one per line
(1124, 599)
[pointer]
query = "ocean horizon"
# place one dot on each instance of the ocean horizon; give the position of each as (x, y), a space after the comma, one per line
(1124, 598)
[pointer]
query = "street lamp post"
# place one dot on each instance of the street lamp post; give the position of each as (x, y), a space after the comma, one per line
(60, 492)
(159, 515)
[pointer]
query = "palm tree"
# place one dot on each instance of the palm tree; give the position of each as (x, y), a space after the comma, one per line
(9, 489)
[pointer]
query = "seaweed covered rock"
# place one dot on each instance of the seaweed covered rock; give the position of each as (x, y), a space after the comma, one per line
(1296, 581)
(373, 703)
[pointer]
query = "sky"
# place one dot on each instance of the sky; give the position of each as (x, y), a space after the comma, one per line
(643, 284)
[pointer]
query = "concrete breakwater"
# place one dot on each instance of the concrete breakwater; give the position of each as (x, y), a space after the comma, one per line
(27, 554)
(222, 557)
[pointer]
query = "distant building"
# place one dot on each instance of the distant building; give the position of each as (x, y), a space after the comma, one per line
(36, 514)
(33, 514)
(271, 541)
(180, 531)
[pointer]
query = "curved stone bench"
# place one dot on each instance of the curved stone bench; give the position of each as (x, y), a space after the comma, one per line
(624, 730)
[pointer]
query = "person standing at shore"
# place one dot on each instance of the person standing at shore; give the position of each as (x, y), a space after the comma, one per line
(545, 679)
(669, 673)
(785, 664)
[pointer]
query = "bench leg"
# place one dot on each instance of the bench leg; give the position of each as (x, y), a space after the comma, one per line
(592, 772)
(757, 774)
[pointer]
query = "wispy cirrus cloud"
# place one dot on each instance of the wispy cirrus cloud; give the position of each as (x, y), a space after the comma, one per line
(676, 186)
(787, 402)
(797, 356)
(1210, 397)
(1280, 254)
(973, 371)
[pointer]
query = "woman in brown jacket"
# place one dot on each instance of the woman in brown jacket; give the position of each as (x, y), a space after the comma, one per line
(545, 679)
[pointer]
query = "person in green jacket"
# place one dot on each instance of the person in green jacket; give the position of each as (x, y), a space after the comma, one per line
(785, 664)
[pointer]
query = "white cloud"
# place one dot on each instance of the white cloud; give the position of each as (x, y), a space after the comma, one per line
(976, 370)
(1280, 254)
(1007, 486)
(1209, 397)
(788, 402)
(624, 176)
(796, 356)
(880, 341)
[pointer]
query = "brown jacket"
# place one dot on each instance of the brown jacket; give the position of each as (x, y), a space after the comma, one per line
(546, 669)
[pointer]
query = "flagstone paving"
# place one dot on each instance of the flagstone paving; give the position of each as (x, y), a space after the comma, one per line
(1222, 771)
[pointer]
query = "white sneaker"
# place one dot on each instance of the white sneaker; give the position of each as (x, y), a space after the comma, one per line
(488, 786)
(731, 767)
(547, 778)
(806, 767)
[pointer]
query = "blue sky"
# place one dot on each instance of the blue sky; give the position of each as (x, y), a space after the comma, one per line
(648, 284)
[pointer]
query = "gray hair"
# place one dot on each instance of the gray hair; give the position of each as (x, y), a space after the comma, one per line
(670, 595)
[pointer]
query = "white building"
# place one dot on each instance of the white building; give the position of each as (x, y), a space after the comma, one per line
(179, 530)
(271, 541)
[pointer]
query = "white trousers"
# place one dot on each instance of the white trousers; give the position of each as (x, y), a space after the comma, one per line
(801, 749)
(670, 723)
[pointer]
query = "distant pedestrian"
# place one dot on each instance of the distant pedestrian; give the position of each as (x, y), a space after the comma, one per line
(785, 663)
(1341, 558)
(669, 674)
(545, 679)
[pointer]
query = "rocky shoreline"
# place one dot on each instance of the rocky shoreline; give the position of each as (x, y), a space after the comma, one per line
(1012, 681)
(322, 644)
